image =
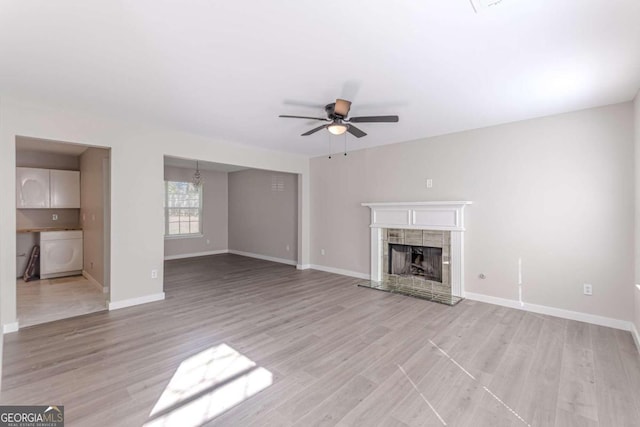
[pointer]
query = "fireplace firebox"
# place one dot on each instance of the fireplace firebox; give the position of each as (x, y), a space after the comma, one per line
(421, 261)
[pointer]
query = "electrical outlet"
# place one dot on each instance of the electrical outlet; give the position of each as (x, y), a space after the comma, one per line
(588, 289)
(91, 263)
(54, 217)
(154, 274)
(429, 183)
(208, 242)
(321, 251)
(288, 248)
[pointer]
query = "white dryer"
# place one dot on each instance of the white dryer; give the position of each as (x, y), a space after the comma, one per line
(60, 253)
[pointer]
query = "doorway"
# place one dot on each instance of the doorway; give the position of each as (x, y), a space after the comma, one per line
(225, 211)
(62, 230)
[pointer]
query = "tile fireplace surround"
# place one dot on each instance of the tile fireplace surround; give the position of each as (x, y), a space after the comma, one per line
(419, 224)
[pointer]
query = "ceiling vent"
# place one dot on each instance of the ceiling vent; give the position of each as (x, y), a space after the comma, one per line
(484, 5)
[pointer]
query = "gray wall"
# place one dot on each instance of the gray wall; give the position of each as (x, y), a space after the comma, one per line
(556, 191)
(214, 210)
(39, 159)
(263, 213)
(92, 188)
(39, 218)
(637, 206)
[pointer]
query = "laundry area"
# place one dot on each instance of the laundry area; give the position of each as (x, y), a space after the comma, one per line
(62, 230)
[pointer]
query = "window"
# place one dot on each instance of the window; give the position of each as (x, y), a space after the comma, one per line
(182, 209)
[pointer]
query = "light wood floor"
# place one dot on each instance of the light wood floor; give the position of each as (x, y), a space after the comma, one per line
(41, 301)
(338, 354)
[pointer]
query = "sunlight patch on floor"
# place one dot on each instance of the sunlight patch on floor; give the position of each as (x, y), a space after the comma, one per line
(207, 384)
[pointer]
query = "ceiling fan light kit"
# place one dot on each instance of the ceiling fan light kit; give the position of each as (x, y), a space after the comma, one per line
(337, 128)
(337, 115)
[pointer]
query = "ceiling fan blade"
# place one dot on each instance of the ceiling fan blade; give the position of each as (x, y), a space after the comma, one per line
(342, 107)
(314, 130)
(355, 131)
(303, 117)
(374, 119)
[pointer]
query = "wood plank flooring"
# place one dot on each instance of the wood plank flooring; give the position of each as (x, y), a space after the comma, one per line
(336, 354)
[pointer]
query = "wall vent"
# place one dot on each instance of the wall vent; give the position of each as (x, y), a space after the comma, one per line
(277, 183)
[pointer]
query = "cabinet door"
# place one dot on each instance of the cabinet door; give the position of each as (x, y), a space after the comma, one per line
(32, 188)
(65, 189)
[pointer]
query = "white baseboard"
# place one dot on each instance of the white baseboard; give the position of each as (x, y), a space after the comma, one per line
(93, 281)
(341, 271)
(303, 266)
(553, 311)
(135, 301)
(263, 257)
(7, 328)
(195, 254)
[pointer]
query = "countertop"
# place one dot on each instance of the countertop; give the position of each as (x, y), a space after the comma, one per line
(41, 229)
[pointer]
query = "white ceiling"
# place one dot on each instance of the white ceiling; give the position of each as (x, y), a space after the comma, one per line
(227, 69)
(207, 166)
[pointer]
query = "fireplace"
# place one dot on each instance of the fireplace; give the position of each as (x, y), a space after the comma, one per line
(417, 249)
(421, 261)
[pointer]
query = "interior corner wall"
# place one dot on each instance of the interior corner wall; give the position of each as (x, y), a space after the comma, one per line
(636, 117)
(555, 191)
(263, 213)
(215, 223)
(92, 217)
(137, 188)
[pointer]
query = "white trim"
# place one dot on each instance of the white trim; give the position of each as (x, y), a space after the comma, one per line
(303, 266)
(94, 282)
(445, 215)
(183, 236)
(636, 336)
(444, 203)
(341, 271)
(196, 254)
(135, 301)
(553, 311)
(8, 328)
(263, 257)
(376, 254)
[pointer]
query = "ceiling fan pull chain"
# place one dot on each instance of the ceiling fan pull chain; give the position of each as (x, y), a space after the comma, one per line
(345, 143)
(329, 146)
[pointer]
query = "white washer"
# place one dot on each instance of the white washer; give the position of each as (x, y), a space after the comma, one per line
(60, 253)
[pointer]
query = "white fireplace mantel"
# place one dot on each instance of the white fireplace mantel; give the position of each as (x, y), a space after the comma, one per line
(446, 215)
(418, 215)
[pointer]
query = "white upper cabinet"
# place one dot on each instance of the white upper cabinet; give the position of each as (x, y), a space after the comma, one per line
(65, 189)
(32, 188)
(45, 188)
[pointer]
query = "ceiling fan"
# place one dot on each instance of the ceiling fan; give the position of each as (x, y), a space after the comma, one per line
(339, 123)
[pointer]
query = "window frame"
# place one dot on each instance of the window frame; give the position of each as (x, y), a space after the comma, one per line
(197, 234)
